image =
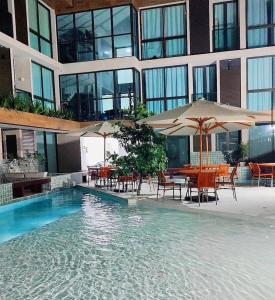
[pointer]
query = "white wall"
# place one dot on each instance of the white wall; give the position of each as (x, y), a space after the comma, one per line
(92, 150)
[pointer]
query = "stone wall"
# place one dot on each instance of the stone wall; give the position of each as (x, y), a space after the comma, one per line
(61, 181)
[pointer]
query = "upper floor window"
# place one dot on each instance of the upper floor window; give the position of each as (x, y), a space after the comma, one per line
(40, 27)
(98, 34)
(205, 83)
(43, 86)
(164, 32)
(260, 23)
(165, 88)
(6, 24)
(261, 84)
(225, 33)
(101, 95)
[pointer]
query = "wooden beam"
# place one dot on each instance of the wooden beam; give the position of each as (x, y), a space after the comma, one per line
(16, 118)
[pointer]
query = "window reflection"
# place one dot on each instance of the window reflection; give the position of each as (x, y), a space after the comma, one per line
(100, 95)
(98, 34)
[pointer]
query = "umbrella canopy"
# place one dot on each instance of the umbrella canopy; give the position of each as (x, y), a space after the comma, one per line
(200, 114)
(188, 128)
(203, 111)
(103, 129)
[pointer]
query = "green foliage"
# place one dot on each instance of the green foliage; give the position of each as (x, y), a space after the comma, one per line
(26, 104)
(145, 149)
(238, 155)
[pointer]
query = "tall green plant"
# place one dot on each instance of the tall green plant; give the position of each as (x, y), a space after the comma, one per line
(144, 147)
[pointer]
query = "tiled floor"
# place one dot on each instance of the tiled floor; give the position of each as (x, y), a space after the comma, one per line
(252, 201)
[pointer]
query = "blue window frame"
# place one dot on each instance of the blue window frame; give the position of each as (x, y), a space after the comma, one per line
(260, 23)
(164, 32)
(226, 30)
(40, 27)
(205, 83)
(98, 34)
(165, 88)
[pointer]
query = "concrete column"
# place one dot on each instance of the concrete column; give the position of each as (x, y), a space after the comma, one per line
(242, 22)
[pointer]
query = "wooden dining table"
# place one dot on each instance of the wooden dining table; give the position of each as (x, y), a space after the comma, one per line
(196, 172)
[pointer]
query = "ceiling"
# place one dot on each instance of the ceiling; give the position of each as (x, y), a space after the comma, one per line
(66, 6)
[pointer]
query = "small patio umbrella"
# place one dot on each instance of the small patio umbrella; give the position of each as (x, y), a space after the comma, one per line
(200, 113)
(103, 129)
(215, 127)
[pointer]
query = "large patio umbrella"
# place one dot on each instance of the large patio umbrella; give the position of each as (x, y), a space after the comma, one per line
(186, 128)
(103, 129)
(200, 113)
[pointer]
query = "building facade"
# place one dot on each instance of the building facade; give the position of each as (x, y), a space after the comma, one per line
(98, 58)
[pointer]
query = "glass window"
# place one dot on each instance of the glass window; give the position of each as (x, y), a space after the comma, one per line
(261, 85)
(260, 23)
(164, 32)
(121, 20)
(227, 141)
(69, 94)
(100, 95)
(86, 87)
(98, 34)
(43, 87)
(51, 152)
(84, 36)
(177, 149)
(40, 27)
(205, 83)
(166, 88)
(102, 19)
(66, 38)
(226, 32)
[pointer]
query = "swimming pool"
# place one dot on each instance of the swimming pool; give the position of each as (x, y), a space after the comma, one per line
(103, 249)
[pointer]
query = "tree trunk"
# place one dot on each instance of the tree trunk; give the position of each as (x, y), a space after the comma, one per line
(139, 185)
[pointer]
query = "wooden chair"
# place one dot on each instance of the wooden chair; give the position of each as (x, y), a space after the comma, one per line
(165, 186)
(203, 183)
(230, 182)
(104, 176)
(258, 174)
(93, 174)
(126, 181)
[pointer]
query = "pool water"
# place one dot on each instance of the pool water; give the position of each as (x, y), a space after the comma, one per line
(103, 249)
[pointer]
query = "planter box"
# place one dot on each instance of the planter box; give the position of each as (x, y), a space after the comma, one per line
(19, 118)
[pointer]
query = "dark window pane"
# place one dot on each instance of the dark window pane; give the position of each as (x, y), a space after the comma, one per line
(156, 106)
(154, 83)
(46, 48)
(152, 23)
(87, 94)
(68, 90)
(34, 41)
(47, 79)
(51, 152)
(33, 13)
(105, 84)
(102, 19)
(176, 81)
(123, 45)
(152, 50)
(121, 20)
(176, 47)
(84, 36)
(174, 21)
(44, 22)
(103, 48)
(36, 80)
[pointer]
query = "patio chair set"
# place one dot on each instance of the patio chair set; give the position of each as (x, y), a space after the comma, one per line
(106, 177)
(203, 182)
(262, 171)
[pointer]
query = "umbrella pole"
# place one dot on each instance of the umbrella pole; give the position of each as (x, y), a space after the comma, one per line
(207, 148)
(104, 137)
(200, 129)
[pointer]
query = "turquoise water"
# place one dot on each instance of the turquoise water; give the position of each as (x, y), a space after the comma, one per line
(103, 249)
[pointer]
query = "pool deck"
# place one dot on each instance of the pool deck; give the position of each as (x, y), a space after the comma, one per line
(253, 202)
